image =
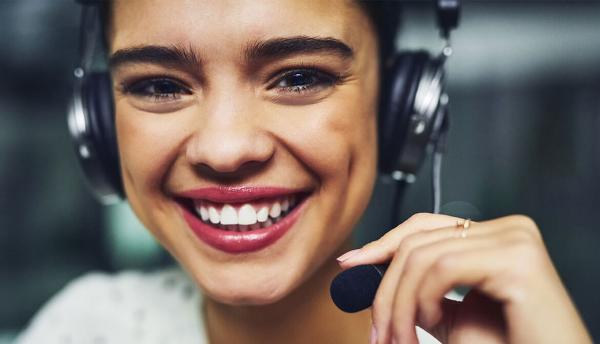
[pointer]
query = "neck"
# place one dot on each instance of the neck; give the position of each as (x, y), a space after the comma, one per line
(306, 315)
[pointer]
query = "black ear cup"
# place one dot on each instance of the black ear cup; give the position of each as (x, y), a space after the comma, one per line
(92, 125)
(399, 87)
(411, 91)
(98, 100)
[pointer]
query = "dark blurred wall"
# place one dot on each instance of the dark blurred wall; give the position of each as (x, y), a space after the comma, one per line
(524, 84)
(50, 228)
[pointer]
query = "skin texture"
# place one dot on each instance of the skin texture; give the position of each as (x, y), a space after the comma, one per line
(231, 129)
(517, 295)
(227, 124)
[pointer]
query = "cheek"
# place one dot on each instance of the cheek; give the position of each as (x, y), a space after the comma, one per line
(148, 143)
(336, 137)
(336, 141)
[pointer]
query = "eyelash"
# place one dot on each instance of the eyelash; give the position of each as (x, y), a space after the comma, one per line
(317, 77)
(147, 88)
(142, 88)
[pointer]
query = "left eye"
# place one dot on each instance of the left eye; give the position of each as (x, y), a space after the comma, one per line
(159, 89)
(303, 80)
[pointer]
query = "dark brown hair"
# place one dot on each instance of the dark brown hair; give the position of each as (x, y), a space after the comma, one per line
(385, 16)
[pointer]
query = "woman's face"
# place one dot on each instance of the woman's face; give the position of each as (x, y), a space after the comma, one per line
(229, 112)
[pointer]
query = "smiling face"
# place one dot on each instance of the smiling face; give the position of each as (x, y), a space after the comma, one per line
(247, 134)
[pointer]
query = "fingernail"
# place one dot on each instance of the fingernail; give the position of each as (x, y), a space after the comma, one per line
(347, 255)
(373, 339)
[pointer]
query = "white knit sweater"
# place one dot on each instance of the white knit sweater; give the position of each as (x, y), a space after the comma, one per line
(130, 307)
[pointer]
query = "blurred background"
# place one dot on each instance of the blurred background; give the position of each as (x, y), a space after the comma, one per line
(524, 84)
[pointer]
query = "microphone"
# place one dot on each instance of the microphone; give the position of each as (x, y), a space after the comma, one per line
(354, 289)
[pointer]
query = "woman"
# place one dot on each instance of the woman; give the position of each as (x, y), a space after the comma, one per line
(247, 142)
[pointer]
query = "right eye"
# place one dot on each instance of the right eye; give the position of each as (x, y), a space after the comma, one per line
(158, 90)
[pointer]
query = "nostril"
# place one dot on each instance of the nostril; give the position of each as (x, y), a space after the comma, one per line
(244, 170)
(229, 151)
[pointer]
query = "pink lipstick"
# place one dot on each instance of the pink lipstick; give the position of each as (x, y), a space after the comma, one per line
(242, 219)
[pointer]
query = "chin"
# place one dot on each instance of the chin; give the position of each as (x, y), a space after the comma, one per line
(250, 291)
(251, 298)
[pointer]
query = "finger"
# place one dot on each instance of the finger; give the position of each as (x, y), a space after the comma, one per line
(383, 249)
(482, 269)
(383, 302)
(418, 264)
(474, 268)
(406, 326)
(426, 263)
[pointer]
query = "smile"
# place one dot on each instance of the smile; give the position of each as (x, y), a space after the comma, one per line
(237, 220)
(246, 216)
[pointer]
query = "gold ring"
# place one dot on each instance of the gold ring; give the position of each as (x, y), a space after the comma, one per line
(464, 224)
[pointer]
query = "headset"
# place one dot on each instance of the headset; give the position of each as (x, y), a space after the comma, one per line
(413, 107)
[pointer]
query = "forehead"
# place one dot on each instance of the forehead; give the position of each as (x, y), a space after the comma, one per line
(220, 25)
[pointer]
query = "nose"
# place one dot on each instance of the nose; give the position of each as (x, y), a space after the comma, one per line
(229, 138)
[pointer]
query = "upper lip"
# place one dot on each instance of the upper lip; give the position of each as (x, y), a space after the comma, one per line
(239, 194)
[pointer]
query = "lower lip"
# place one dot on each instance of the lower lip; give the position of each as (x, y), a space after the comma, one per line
(241, 242)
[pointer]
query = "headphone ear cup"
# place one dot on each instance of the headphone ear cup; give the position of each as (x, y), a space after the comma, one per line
(102, 170)
(400, 84)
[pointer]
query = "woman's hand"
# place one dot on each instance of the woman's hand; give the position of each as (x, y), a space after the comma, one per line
(516, 297)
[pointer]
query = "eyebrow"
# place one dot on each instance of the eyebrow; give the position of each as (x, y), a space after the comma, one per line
(269, 49)
(288, 46)
(167, 55)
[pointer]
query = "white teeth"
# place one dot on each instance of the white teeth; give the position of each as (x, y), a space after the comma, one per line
(246, 215)
(275, 210)
(229, 215)
(285, 205)
(214, 216)
(263, 214)
(203, 213)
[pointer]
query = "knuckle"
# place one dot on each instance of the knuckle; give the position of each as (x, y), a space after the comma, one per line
(414, 260)
(528, 236)
(380, 244)
(389, 239)
(526, 224)
(526, 251)
(523, 220)
(371, 244)
(408, 244)
(417, 218)
(530, 258)
(518, 235)
(444, 264)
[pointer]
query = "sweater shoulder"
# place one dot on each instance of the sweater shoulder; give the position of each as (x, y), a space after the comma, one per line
(125, 307)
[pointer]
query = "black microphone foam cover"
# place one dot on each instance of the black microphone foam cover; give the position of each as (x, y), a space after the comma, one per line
(354, 289)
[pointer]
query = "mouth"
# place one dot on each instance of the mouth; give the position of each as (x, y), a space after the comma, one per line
(241, 219)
